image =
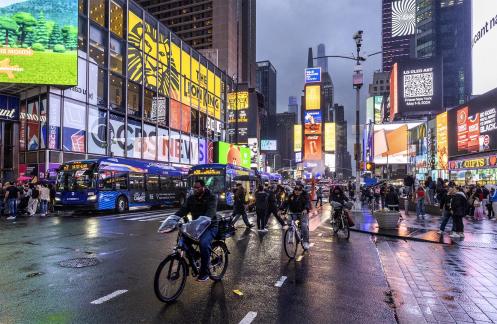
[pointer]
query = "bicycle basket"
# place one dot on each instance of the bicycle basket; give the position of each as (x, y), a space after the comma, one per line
(225, 228)
(196, 228)
(336, 205)
(169, 224)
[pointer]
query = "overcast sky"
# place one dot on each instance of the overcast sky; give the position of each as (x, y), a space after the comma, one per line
(287, 28)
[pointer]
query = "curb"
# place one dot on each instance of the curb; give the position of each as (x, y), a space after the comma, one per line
(410, 238)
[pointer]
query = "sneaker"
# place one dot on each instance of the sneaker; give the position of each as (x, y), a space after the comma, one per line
(461, 235)
(250, 225)
(265, 230)
(11, 218)
(440, 232)
(203, 278)
(306, 246)
(454, 235)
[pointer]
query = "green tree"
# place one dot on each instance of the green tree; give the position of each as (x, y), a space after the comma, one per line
(55, 37)
(40, 32)
(9, 27)
(24, 20)
(70, 36)
(30, 36)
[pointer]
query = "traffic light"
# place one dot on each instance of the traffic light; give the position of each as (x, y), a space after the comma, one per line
(369, 166)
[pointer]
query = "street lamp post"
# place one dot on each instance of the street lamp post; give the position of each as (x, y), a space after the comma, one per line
(357, 83)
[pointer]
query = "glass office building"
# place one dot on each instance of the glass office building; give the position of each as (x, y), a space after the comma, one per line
(142, 93)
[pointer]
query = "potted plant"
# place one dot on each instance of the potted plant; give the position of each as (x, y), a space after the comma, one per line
(387, 219)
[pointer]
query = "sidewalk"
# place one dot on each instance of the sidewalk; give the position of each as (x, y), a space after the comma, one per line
(477, 234)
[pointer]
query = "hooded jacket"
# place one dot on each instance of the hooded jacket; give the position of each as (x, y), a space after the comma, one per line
(459, 204)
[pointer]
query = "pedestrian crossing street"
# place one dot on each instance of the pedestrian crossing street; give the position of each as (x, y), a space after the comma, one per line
(150, 215)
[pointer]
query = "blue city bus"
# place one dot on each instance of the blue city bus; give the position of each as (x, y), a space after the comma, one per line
(221, 180)
(119, 184)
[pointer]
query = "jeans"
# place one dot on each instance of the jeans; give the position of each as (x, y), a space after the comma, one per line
(43, 207)
(12, 203)
(261, 218)
(420, 208)
(205, 244)
(447, 215)
(494, 208)
(320, 200)
(237, 215)
(304, 224)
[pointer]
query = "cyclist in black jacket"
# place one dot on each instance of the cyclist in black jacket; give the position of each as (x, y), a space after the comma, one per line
(298, 205)
(202, 203)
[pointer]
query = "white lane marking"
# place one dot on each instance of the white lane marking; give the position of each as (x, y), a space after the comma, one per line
(280, 281)
(145, 217)
(159, 218)
(108, 297)
(249, 318)
(119, 216)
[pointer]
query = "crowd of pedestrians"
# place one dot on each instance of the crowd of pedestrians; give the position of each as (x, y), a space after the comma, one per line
(26, 198)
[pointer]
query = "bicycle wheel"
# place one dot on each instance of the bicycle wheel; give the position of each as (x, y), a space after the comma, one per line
(344, 228)
(334, 224)
(290, 241)
(170, 278)
(219, 260)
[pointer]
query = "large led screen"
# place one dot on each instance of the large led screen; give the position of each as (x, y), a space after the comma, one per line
(312, 97)
(403, 17)
(312, 148)
(39, 41)
(233, 154)
(484, 40)
(390, 143)
(312, 122)
(472, 128)
(416, 86)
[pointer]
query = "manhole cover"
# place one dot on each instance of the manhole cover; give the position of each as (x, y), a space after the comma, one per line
(79, 263)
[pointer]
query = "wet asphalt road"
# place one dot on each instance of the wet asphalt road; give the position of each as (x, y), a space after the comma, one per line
(337, 282)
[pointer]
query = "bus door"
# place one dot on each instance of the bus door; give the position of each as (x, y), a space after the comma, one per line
(137, 194)
(166, 193)
(153, 189)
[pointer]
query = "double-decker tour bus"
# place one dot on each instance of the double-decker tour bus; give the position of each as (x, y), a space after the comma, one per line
(119, 184)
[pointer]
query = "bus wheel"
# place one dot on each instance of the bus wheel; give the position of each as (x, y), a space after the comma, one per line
(121, 205)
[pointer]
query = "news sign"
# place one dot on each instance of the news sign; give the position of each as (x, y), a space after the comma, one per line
(313, 75)
(269, 145)
(472, 128)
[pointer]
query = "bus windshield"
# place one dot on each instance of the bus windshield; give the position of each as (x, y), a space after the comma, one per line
(74, 180)
(215, 183)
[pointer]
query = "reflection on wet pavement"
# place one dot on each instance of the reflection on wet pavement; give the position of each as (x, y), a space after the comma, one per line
(440, 283)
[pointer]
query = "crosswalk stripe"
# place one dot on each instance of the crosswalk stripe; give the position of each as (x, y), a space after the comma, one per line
(159, 218)
(145, 217)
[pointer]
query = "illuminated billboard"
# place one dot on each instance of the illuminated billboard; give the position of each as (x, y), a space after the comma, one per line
(484, 38)
(313, 75)
(269, 145)
(225, 153)
(238, 116)
(312, 148)
(329, 137)
(39, 42)
(442, 157)
(238, 100)
(403, 18)
(416, 86)
(312, 122)
(378, 103)
(330, 161)
(297, 138)
(390, 143)
(472, 128)
(312, 97)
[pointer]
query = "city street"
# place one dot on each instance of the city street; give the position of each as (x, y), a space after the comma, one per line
(329, 284)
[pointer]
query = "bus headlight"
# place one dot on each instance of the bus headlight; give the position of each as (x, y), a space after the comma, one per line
(222, 196)
(92, 198)
(57, 199)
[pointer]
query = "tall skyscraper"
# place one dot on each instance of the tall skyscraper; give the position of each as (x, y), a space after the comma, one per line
(398, 28)
(322, 62)
(266, 84)
(210, 26)
(293, 107)
(343, 158)
(444, 30)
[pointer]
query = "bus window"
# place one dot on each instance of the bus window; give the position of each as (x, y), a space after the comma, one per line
(136, 181)
(105, 180)
(152, 182)
(165, 182)
(121, 180)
